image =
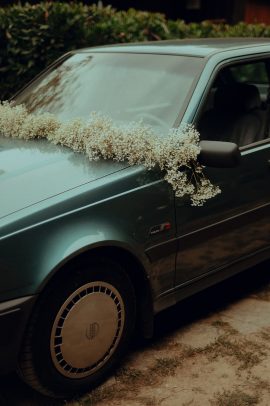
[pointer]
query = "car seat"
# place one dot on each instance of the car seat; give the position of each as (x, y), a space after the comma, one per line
(236, 116)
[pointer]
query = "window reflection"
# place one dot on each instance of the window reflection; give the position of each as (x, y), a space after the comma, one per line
(127, 87)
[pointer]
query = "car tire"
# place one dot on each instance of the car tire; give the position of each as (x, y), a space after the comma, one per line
(79, 331)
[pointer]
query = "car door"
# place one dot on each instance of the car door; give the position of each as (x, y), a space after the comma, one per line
(235, 224)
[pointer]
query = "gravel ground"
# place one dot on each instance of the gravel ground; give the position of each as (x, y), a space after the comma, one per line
(212, 349)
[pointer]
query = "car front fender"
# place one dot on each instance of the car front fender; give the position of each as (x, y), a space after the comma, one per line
(30, 257)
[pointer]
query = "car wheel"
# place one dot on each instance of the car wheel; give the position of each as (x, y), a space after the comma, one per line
(80, 329)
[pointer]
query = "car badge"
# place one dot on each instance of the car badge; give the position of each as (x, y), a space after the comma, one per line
(160, 227)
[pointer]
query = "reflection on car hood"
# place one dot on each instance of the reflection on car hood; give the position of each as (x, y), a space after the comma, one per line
(31, 171)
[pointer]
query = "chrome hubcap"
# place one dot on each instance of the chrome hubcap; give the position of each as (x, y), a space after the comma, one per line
(87, 329)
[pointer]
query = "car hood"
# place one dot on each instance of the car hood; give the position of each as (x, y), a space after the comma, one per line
(35, 170)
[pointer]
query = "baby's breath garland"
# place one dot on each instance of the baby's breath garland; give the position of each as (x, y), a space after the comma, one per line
(175, 154)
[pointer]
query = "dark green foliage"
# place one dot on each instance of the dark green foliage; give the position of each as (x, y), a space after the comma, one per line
(31, 37)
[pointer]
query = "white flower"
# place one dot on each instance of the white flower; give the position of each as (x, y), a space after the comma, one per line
(136, 143)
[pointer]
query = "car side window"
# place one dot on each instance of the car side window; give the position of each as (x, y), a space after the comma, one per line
(237, 108)
(250, 72)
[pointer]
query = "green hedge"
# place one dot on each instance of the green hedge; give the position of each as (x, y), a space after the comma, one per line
(31, 37)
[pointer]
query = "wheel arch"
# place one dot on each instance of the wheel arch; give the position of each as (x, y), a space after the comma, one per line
(135, 270)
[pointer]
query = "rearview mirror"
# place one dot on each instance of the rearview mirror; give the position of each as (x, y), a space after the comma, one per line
(219, 154)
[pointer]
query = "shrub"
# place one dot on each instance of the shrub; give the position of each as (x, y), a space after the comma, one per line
(32, 36)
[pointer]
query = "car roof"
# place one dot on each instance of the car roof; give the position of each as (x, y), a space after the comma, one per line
(191, 47)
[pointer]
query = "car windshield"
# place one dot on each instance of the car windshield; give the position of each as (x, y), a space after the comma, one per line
(124, 86)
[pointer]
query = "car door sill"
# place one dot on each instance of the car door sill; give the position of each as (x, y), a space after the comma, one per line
(190, 287)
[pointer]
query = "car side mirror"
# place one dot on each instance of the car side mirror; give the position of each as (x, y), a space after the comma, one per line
(219, 154)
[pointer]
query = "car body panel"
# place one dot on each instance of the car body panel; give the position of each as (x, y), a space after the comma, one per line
(90, 216)
(233, 225)
(36, 170)
(14, 316)
(196, 47)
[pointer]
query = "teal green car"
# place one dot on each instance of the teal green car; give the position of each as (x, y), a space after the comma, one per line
(91, 251)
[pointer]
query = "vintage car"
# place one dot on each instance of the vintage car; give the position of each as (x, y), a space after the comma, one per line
(91, 251)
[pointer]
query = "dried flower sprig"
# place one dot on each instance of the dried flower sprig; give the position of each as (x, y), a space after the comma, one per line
(136, 143)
